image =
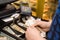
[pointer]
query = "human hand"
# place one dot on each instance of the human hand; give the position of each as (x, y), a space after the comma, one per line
(45, 26)
(33, 34)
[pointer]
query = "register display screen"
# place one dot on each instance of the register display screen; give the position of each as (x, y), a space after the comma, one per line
(25, 9)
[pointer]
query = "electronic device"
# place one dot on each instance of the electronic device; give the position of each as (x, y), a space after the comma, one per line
(25, 9)
(15, 22)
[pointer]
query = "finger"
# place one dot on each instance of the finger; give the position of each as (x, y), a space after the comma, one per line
(27, 33)
(46, 30)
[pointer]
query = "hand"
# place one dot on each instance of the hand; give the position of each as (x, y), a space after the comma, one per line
(45, 26)
(33, 34)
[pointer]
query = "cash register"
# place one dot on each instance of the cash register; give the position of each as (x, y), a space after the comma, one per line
(6, 10)
(11, 21)
(14, 23)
